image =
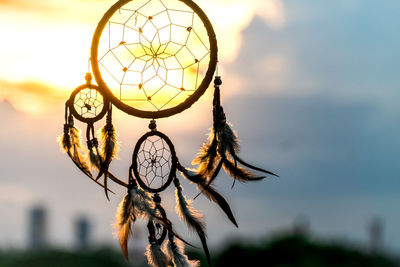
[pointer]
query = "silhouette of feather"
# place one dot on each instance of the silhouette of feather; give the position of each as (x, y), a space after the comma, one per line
(96, 161)
(208, 191)
(238, 172)
(236, 157)
(192, 217)
(227, 139)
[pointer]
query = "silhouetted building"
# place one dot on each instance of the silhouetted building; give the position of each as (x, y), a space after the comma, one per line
(376, 235)
(37, 228)
(301, 225)
(82, 233)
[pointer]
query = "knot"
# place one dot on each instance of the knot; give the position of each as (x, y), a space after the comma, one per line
(176, 182)
(153, 125)
(70, 120)
(92, 143)
(109, 119)
(152, 239)
(66, 128)
(157, 198)
(109, 128)
(88, 78)
(217, 81)
(173, 245)
(132, 184)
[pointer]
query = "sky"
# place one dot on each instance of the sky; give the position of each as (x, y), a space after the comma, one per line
(311, 87)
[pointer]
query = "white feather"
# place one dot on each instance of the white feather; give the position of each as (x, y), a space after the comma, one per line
(155, 256)
(186, 211)
(177, 254)
(143, 203)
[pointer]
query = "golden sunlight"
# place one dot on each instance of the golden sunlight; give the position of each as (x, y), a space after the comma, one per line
(49, 42)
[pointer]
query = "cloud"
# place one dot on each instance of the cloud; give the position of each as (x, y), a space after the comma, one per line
(32, 97)
(42, 6)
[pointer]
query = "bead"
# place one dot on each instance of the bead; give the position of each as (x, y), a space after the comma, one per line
(218, 80)
(153, 125)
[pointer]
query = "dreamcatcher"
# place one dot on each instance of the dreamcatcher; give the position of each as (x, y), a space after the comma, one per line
(153, 59)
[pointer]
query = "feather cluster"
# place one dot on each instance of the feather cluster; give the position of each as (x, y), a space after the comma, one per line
(221, 151)
(136, 204)
(175, 251)
(70, 143)
(192, 217)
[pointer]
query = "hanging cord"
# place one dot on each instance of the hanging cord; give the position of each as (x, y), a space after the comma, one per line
(218, 111)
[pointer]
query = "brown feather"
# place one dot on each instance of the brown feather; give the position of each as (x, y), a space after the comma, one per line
(124, 220)
(109, 147)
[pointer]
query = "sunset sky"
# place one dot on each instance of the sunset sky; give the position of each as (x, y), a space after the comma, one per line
(311, 87)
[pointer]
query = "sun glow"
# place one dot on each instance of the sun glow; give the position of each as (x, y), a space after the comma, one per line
(49, 42)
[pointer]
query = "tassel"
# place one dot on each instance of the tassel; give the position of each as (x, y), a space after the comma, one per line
(125, 218)
(223, 145)
(191, 216)
(155, 256)
(208, 191)
(175, 251)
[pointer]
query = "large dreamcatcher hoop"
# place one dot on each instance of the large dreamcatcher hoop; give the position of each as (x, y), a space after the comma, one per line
(154, 59)
(152, 40)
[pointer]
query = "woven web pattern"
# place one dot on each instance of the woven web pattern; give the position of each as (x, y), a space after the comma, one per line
(154, 162)
(88, 103)
(155, 53)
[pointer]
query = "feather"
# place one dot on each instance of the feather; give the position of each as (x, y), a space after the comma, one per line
(237, 158)
(238, 172)
(125, 217)
(192, 217)
(109, 147)
(155, 256)
(144, 206)
(70, 143)
(227, 139)
(175, 251)
(207, 155)
(208, 191)
(96, 161)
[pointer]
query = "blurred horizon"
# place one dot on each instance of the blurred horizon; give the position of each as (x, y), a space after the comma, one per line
(310, 87)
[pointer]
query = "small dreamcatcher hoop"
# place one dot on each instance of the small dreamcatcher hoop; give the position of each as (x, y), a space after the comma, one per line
(154, 162)
(153, 60)
(87, 103)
